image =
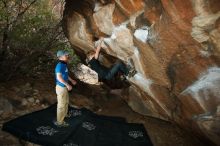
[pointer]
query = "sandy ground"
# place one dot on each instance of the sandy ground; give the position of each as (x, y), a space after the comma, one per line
(162, 133)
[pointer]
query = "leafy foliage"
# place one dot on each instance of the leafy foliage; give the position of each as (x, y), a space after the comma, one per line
(28, 27)
(74, 59)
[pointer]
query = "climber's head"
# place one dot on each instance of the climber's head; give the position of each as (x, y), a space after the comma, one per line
(90, 54)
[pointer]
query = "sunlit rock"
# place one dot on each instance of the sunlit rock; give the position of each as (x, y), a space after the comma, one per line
(97, 7)
(142, 34)
(209, 124)
(206, 91)
(174, 46)
(85, 74)
(78, 33)
(103, 19)
(215, 37)
(122, 36)
(204, 22)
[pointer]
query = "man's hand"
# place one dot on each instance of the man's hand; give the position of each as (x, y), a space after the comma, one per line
(73, 82)
(69, 87)
(60, 79)
(101, 39)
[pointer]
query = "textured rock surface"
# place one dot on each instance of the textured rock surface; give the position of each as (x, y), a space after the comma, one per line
(5, 107)
(85, 74)
(174, 46)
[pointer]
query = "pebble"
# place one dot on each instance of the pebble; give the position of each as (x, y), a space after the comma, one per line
(24, 102)
(31, 100)
(37, 101)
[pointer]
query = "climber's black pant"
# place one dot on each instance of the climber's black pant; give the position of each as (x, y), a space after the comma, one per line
(118, 67)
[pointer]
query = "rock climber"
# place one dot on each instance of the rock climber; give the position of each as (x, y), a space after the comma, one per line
(103, 72)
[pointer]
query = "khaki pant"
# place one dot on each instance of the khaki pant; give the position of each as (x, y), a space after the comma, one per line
(62, 103)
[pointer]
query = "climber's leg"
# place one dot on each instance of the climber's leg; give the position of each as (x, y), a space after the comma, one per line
(115, 69)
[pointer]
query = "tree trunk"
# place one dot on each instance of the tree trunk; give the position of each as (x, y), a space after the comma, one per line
(4, 43)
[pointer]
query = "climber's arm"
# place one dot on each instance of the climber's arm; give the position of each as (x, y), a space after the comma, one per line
(98, 49)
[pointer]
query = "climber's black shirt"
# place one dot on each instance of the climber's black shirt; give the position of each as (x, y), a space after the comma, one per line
(101, 70)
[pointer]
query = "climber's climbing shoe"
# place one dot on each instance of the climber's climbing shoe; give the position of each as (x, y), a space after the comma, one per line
(132, 72)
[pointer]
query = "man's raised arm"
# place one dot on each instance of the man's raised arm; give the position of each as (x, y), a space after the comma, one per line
(98, 48)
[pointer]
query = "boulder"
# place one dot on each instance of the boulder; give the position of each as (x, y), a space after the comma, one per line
(174, 46)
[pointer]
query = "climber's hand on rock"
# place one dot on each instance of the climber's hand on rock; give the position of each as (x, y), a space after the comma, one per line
(101, 39)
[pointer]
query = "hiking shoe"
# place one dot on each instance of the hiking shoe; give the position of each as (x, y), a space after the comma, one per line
(64, 124)
(131, 73)
(122, 78)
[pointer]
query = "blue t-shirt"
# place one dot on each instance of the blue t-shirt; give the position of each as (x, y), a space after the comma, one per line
(61, 67)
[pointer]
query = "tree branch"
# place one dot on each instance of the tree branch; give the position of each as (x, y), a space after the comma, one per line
(23, 12)
(20, 6)
(4, 2)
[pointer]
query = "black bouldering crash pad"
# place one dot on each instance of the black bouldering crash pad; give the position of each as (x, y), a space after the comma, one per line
(85, 129)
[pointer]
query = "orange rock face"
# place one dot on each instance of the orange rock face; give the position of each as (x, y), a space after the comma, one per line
(175, 49)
